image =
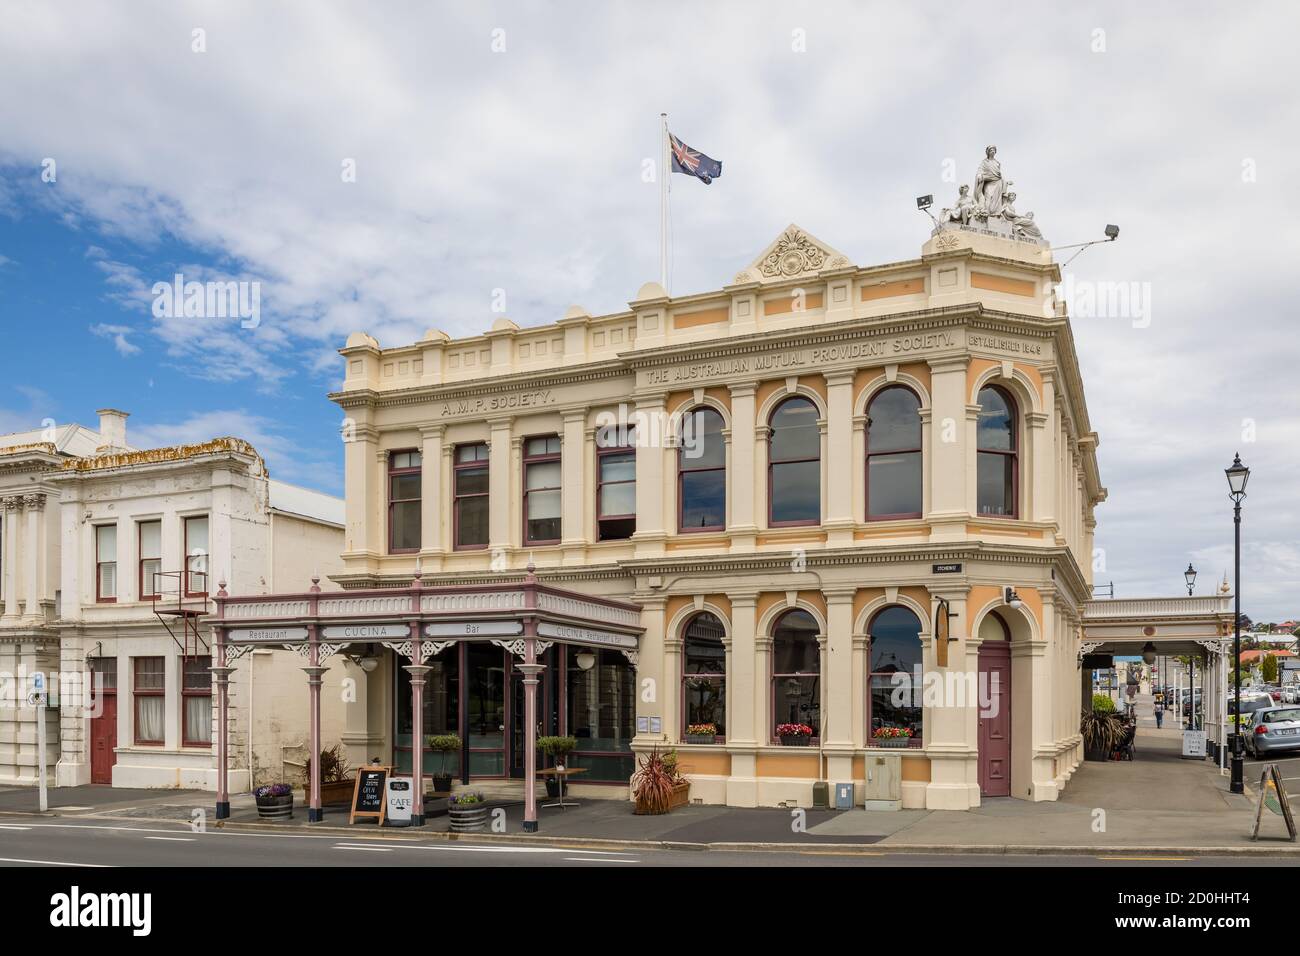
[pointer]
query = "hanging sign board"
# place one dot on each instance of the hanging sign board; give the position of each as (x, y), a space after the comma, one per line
(368, 795)
(585, 635)
(273, 635)
(942, 626)
(400, 799)
(1272, 794)
(473, 629)
(361, 632)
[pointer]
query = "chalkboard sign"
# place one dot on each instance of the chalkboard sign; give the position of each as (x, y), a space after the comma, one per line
(368, 796)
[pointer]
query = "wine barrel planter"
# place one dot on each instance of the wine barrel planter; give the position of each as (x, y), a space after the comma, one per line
(468, 819)
(275, 808)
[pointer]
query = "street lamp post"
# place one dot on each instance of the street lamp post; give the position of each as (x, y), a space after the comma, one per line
(1190, 577)
(1238, 475)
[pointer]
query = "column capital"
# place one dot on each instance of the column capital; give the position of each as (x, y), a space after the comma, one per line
(35, 502)
(743, 389)
(841, 377)
(953, 364)
(12, 504)
(840, 595)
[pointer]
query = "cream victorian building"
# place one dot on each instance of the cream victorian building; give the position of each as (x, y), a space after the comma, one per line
(789, 477)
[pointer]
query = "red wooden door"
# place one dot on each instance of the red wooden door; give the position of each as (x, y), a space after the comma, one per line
(995, 719)
(103, 740)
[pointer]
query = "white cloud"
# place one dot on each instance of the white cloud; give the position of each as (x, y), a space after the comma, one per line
(118, 333)
(286, 458)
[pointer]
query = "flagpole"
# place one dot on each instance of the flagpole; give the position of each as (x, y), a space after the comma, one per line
(665, 170)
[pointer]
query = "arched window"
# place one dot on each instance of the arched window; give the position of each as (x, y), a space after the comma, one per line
(794, 465)
(796, 672)
(704, 677)
(998, 472)
(894, 454)
(701, 473)
(894, 699)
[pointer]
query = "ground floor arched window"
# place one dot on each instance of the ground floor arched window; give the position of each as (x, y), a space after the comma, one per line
(704, 678)
(894, 692)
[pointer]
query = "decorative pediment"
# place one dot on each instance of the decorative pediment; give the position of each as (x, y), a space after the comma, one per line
(793, 253)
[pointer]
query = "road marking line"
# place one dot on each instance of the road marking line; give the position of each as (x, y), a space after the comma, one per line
(10, 859)
(597, 859)
(372, 849)
(173, 839)
(10, 826)
(1174, 859)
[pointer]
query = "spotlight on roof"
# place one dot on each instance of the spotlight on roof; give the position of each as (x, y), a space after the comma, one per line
(925, 202)
(1112, 233)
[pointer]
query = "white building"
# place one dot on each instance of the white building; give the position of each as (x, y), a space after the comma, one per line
(111, 553)
(29, 576)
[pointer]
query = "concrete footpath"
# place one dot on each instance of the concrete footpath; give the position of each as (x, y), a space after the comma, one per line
(1158, 804)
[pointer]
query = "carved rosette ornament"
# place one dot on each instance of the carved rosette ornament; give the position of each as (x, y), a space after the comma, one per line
(794, 254)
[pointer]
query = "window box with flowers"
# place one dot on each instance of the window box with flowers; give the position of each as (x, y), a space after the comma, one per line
(794, 735)
(702, 734)
(274, 801)
(891, 737)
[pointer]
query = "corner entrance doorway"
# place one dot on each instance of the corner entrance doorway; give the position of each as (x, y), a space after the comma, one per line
(995, 719)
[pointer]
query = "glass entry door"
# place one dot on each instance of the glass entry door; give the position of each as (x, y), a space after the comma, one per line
(485, 710)
(545, 711)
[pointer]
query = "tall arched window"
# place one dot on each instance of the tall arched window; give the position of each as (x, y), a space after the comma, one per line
(894, 698)
(704, 677)
(701, 473)
(998, 471)
(796, 672)
(894, 454)
(794, 465)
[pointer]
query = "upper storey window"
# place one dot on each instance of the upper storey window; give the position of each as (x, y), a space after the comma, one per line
(542, 504)
(404, 501)
(794, 464)
(702, 473)
(998, 468)
(894, 454)
(615, 482)
(470, 494)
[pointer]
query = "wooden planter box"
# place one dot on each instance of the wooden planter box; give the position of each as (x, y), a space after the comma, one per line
(336, 791)
(795, 741)
(891, 741)
(680, 796)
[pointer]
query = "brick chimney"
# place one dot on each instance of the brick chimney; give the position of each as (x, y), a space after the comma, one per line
(112, 429)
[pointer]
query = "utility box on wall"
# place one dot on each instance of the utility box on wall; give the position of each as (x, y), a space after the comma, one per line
(883, 788)
(844, 796)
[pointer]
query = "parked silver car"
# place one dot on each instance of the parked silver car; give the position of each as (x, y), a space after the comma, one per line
(1272, 729)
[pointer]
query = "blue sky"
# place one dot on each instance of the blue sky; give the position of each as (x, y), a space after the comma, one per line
(501, 147)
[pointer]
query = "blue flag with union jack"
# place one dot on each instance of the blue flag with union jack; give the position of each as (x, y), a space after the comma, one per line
(692, 162)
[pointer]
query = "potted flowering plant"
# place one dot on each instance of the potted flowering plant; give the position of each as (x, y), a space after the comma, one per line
(274, 801)
(891, 736)
(794, 735)
(468, 811)
(702, 734)
(558, 749)
(442, 744)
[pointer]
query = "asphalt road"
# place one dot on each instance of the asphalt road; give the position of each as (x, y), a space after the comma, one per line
(27, 841)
